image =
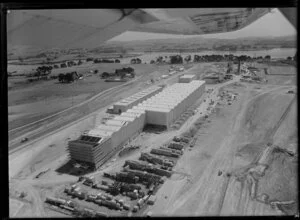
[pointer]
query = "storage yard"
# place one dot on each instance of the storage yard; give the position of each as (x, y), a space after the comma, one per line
(193, 149)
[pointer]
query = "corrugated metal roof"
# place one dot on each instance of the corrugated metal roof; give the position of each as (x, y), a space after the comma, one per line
(109, 127)
(136, 110)
(159, 109)
(131, 114)
(100, 133)
(187, 76)
(124, 118)
(115, 122)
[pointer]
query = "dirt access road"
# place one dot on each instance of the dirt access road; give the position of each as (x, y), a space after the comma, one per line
(198, 190)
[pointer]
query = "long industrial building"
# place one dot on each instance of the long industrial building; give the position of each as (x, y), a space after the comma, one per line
(98, 145)
(166, 106)
(133, 100)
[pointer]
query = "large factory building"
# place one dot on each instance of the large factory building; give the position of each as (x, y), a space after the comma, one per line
(165, 107)
(98, 145)
(133, 100)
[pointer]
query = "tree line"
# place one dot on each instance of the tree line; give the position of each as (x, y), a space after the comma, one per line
(68, 77)
(178, 59)
(119, 73)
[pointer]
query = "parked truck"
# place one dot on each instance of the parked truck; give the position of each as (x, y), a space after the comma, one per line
(164, 152)
(180, 152)
(176, 146)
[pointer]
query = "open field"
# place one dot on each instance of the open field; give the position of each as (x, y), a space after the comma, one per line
(233, 140)
(30, 102)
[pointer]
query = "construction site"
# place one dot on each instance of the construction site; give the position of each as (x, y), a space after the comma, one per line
(213, 138)
(122, 165)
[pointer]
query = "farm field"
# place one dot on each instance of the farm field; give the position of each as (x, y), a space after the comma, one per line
(27, 102)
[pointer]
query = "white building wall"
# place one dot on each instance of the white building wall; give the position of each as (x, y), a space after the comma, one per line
(177, 99)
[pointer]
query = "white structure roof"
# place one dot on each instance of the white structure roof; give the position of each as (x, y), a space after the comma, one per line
(188, 76)
(100, 133)
(109, 128)
(131, 114)
(137, 96)
(171, 96)
(133, 110)
(124, 118)
(120, 123)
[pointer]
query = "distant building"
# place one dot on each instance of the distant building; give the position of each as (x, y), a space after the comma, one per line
(213, 78)
(186, 78)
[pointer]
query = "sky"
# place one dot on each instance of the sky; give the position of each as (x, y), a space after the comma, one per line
(273, 24)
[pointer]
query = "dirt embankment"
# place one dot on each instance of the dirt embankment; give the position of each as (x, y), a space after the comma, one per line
(235, 144)
(270, 174)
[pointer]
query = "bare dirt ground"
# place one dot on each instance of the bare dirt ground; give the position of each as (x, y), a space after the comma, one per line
(203, 192)
(232, 140)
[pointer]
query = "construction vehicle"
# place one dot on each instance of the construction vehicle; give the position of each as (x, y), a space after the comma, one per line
(140, 203)
(164, 152)
(135, 208)
(102, 187)
(126, 177)
(56, 201)
(67, 208)
(145, 167)
(91, 198)
(176, 139)
(111, 204)
(126, 206)
(185, 139)
(192, 144)
(175, 145)
(100, 214)
(88, 212)
(24, 140)
(147, 178)
(89, 181)
(132, 195)
(156, 160)
(108, 175)
(151, 200)
(180, 152)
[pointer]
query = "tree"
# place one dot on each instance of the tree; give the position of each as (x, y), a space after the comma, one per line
(104, 75)
(20, 59)
(176, 59)
(43, 70)
(267, 57)
(133, 61)
(61, 77)
(138, 60)
(188, 58)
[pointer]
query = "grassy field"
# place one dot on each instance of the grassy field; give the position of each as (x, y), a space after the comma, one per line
(30, 101)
